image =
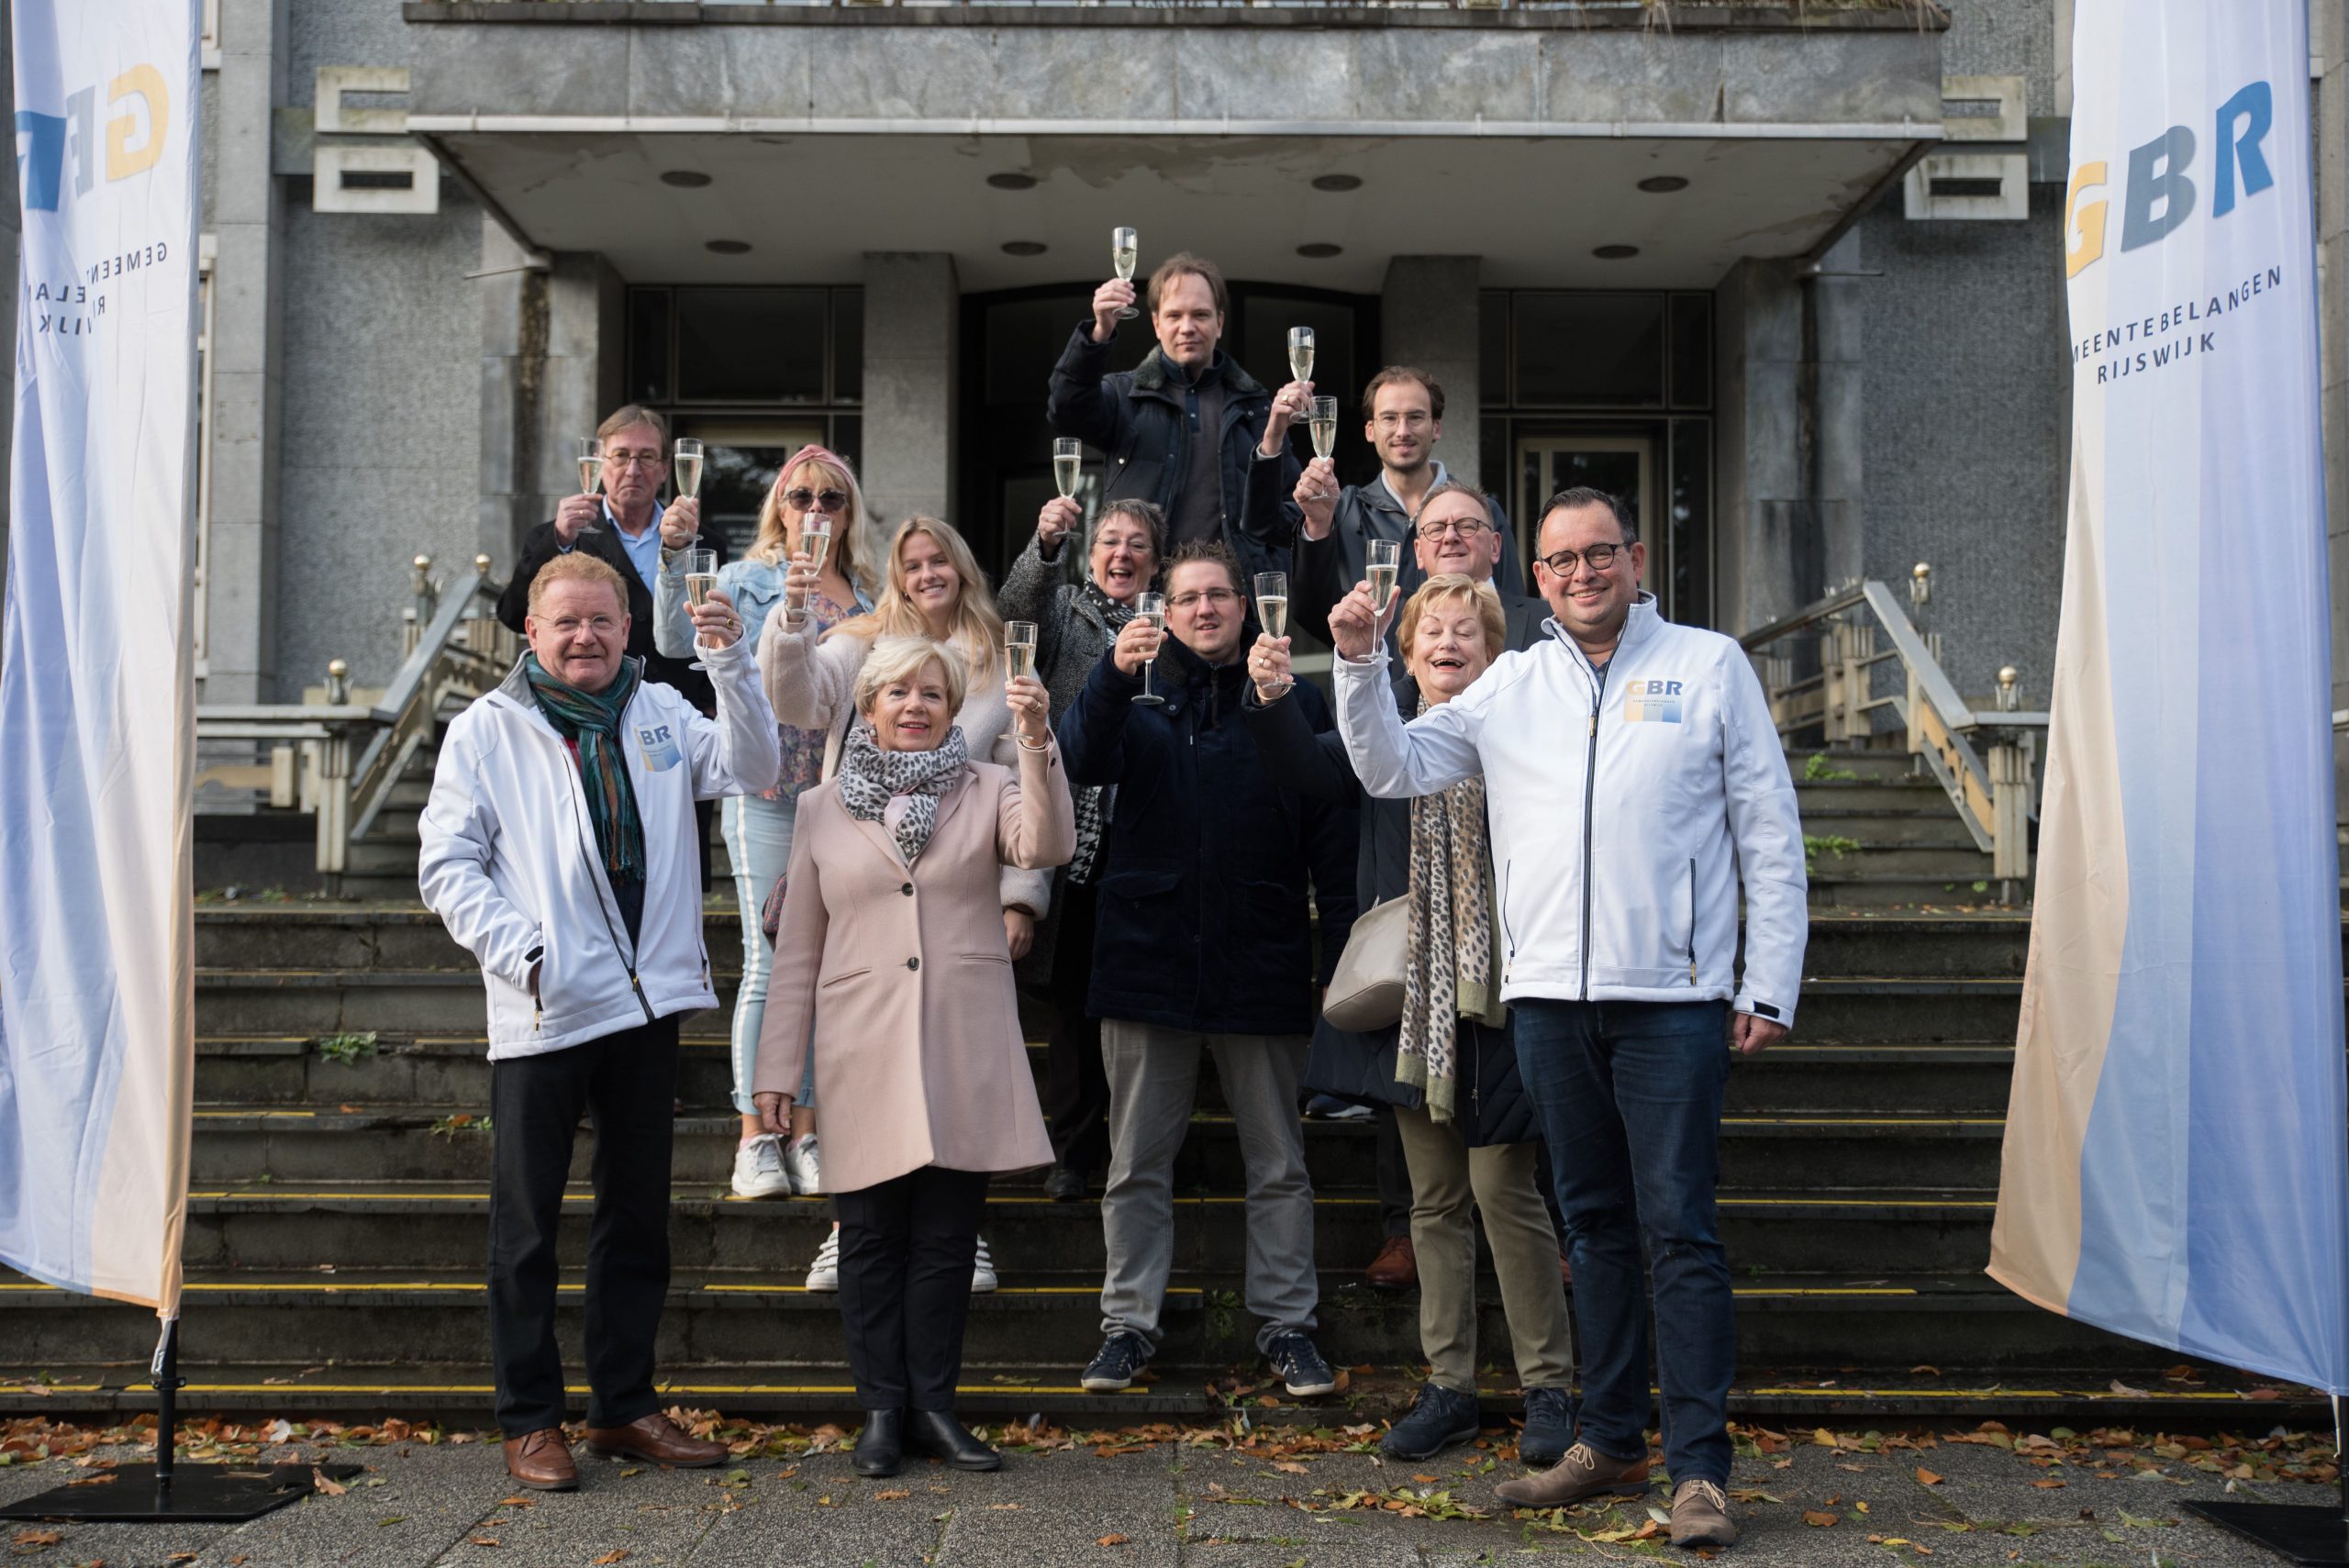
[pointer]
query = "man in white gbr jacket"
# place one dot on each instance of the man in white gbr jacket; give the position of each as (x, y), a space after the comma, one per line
(1631, 770)
(559, 848)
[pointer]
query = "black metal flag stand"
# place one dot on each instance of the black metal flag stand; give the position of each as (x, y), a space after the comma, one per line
(165, 1492)
(2308, 1534)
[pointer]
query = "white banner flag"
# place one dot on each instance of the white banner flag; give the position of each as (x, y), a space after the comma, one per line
(96, 677)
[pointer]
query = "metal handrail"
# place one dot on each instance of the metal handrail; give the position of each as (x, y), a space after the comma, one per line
(435, 669)
(1993, 794)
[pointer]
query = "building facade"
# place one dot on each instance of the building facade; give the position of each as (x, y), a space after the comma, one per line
(1789, 275)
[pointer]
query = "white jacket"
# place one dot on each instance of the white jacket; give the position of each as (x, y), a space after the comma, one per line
(1623, 804)
(509, 862)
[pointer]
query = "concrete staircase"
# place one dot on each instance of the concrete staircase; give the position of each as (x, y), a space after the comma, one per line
(336, 1233)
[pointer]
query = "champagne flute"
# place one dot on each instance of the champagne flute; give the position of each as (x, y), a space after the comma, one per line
(1020, 649)
(1386, 559)
(1151, 610)
(815, 537)
(1300, 354)
(1125, 250)
(1068, 464)
(591, 473)
(701, 576)
(1272, 606)
(1325, 426)
(687, 468)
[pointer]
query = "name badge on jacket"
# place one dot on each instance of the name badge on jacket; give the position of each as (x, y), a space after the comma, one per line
(659, 746)
(1651, 702)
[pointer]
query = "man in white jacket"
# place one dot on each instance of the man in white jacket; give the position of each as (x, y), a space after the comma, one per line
(1632, 770)
(559, 850)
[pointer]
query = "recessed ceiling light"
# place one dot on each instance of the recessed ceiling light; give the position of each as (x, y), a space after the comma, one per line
(1320, 251)
(1338, 183)
(1023, 248)
(1012, 181)
(1663, 185)
(685, 179)
(1616, 252)
(729, 246)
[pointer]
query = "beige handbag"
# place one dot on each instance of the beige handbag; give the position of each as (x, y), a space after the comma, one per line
(1366, 992)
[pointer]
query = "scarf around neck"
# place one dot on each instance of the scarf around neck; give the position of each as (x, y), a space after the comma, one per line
(590, 721)
(1453, 971)
(870, 778)
(1113, 615)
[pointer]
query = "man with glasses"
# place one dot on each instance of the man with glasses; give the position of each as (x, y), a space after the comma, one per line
(1634, 776)
(1403, 421)
(1203, 943)
(624, 528)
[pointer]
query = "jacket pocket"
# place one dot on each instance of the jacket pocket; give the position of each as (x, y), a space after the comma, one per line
(1002, 958)
(842, 978)
(1689, 909)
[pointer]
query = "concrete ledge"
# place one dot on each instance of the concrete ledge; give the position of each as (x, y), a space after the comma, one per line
(1853, 16)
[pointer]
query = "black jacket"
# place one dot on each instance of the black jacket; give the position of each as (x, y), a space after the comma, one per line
(1202, 922)
(540, 546)
(1492, 1106)
(1137, 418)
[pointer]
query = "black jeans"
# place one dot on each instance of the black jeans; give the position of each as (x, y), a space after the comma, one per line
(1394, 1176)
(907, 1247)
(1076, 1090)
(628, 1083)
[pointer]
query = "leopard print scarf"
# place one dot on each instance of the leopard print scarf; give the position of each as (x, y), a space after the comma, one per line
(1453, 970)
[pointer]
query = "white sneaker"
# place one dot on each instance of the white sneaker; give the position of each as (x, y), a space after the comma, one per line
(759, 1168)
(824, 1273)
(982, 1271)
(799, 1159)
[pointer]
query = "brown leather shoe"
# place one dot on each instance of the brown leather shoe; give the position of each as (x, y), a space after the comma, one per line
(1396, 1267)
(655, 1437)
(542, 1460)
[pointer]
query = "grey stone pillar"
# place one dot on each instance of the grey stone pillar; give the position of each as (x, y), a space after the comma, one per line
(248, 366)
(1787, 497)
(1428, 319)
(912, 304)
(2328, 43)
(552, 345)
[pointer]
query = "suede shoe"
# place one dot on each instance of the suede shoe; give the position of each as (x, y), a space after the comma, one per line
(881, 1446)
(1549, 1428)
(1301, 1369)
(1396, 1267)
(1700, 1516)
(1440, 1418)
(1064, 1186)
(1584, 1472)
(939, 1433)
(541, 1461)
(657, 1439)
(1117, 1363)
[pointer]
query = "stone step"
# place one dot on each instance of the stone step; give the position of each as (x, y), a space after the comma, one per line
(1887, 824)
(1924, 796)
(1865, 765)
(1894, 858)
(732, 1319)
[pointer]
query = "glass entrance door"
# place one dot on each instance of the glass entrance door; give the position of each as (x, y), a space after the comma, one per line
(1623, 464)
(743, 456)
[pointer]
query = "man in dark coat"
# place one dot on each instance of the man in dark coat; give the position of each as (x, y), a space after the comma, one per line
(1185, 428)
(1203, 943)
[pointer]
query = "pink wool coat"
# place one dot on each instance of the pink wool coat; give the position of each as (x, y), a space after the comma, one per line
(905, 977)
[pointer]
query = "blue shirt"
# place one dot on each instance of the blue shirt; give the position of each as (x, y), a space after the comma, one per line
(643, 552)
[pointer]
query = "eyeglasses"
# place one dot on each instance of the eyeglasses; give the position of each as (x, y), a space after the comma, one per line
(633, 460)
(801, 498)
(1388, 421)
(1218, 597)
(602, 626)
(1466, 527)
(1599, 556)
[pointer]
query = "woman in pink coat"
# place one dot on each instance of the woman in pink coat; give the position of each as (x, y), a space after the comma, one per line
(892, 944)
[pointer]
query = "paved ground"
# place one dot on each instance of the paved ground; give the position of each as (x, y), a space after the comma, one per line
(1187, 1502)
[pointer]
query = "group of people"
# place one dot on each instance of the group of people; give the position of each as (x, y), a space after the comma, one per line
(1168, 836)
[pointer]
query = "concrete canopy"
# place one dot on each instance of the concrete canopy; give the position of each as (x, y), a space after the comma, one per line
(1520, 135)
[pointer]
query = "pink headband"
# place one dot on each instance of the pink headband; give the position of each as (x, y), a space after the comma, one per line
(820, 454)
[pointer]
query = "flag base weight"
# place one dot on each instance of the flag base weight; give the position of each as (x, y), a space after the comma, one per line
(2310, 1536)
(191, 1494)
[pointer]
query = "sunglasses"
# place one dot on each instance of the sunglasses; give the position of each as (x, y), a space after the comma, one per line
(802, 498)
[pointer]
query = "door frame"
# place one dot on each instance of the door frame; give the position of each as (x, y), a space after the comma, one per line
(1606, 436)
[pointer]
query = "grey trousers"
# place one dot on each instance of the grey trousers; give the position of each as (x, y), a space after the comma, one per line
(1448, 1179)
(1153, 1081)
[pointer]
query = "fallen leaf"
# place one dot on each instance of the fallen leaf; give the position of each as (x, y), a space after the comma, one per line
(1425, 1480)
(182, 1557)
(1925, 1371)
(1112, 1541)
(2125, 1391)
(1817, 1519)
(2049, 1485)
(1926, 1477)
(1005, 1508)
(517, 1502)
(482, 1539)
(611, 1557)
(36, 1538)
(2261, 1394)
(320, 1480)
(98, 1479)
(894, 1494)
(1290, 1467)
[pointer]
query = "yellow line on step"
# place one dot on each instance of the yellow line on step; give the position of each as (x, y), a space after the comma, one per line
(706, 1388)
(264, 1114)
(1855, 1202)
(1864, 1121)
(1839, 1391)
(1772, 1290)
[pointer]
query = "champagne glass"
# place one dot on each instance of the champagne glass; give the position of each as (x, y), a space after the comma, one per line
(1325, 426)
(591, 473)
(1300, 354)
(1020, 649)
(1125, 250)
(701, 576)
(1385, 557)
(1272, 606)
(815, 537)
(1151, 610)
(1068, 464)
(687, 468)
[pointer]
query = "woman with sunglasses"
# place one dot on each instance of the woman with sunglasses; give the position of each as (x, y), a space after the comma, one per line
(934, 589)
(812, 482)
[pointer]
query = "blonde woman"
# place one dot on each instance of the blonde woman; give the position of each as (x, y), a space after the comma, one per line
(812, 482)
(933, 590)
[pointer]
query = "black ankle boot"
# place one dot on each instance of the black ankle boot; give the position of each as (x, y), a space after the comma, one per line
(881, 1446)
(938, 1432)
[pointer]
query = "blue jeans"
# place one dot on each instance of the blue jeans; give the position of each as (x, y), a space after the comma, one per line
(758, 841)
(1630, 1097)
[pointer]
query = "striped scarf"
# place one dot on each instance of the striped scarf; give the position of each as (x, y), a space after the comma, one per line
(591, 722)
